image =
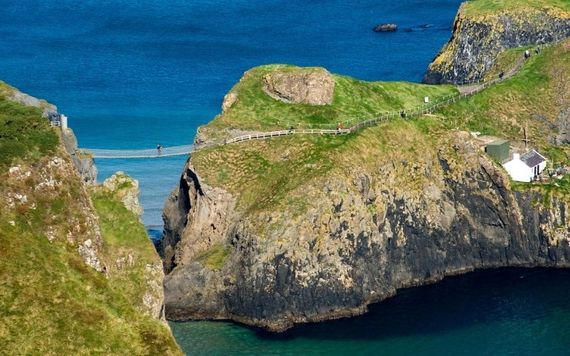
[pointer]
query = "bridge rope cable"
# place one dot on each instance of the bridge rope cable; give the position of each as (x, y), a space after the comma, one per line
(147, 153)
(465, 89)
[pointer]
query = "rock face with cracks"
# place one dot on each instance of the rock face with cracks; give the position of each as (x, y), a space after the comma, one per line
(360, 241)
(477, 41)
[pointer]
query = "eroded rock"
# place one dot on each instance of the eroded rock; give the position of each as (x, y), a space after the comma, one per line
(312, 86)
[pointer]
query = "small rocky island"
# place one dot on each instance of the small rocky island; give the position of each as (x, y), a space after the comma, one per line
(385, 27)
(309, 228)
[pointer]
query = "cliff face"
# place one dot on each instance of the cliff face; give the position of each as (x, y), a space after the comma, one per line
(478, 39)
(360, 240)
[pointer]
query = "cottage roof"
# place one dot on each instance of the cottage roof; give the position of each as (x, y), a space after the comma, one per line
(532, 158)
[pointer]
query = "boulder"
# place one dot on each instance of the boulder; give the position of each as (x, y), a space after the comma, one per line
(314, 86)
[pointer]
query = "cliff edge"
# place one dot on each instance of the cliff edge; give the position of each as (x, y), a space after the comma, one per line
(483, 29)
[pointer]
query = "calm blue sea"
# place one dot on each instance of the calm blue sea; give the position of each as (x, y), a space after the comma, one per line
(132, 74)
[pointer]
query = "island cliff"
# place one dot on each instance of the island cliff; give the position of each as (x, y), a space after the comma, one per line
(483, 29)
(308, 228)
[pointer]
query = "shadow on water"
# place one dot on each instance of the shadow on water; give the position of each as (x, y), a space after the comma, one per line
(483, 297)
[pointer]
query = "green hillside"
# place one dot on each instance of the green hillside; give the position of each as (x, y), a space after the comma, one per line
(51, 301)
(270, 175)
(354, 100)
(473, 8)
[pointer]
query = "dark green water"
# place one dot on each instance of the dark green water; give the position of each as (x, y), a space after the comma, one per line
(502, 312)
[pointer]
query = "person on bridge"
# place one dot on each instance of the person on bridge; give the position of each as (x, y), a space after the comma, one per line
(159, 149)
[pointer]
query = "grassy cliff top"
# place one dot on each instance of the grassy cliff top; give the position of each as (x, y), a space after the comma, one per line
(275, 174)
(354, 100)
(24, 133)
(474, 8)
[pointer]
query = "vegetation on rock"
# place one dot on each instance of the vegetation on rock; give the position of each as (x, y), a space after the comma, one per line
(476, 8)
(324, 225)
(75, 280)
(264, 173)
(484, 29)
(354, 100)
(24, 133)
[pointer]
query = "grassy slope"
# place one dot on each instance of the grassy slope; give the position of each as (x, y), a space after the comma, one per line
(508, 107)
(485, 7)
(354, 100)
(270, 175)
(50, 300)
(23, 134)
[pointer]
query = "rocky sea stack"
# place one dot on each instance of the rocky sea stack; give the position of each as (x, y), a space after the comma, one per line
(308, 228)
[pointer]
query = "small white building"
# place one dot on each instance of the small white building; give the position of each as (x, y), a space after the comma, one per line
(527, 167)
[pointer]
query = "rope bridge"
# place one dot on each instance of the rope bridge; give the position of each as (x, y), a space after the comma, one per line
(149, 153)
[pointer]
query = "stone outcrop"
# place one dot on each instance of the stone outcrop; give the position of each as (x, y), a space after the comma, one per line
(376, 222)
(229, 100)
(477, 41)
(313, 86)
(28, 100)
(360, 241)
(126, 189)
(83, 162)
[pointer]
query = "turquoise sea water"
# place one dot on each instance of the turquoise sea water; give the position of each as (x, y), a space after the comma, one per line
(131, 74)
(504, 312)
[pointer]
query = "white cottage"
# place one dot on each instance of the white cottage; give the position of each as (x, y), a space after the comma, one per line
(527, 167)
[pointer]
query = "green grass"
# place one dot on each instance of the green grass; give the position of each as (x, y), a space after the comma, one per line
(506, 108)
(215, 257)
(484, 7)
(354, 101)
(24, 133)
(52, 302)
(264, 172)
(271, 175)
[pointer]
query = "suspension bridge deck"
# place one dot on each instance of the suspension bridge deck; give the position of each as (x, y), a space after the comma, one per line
(149, 153)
